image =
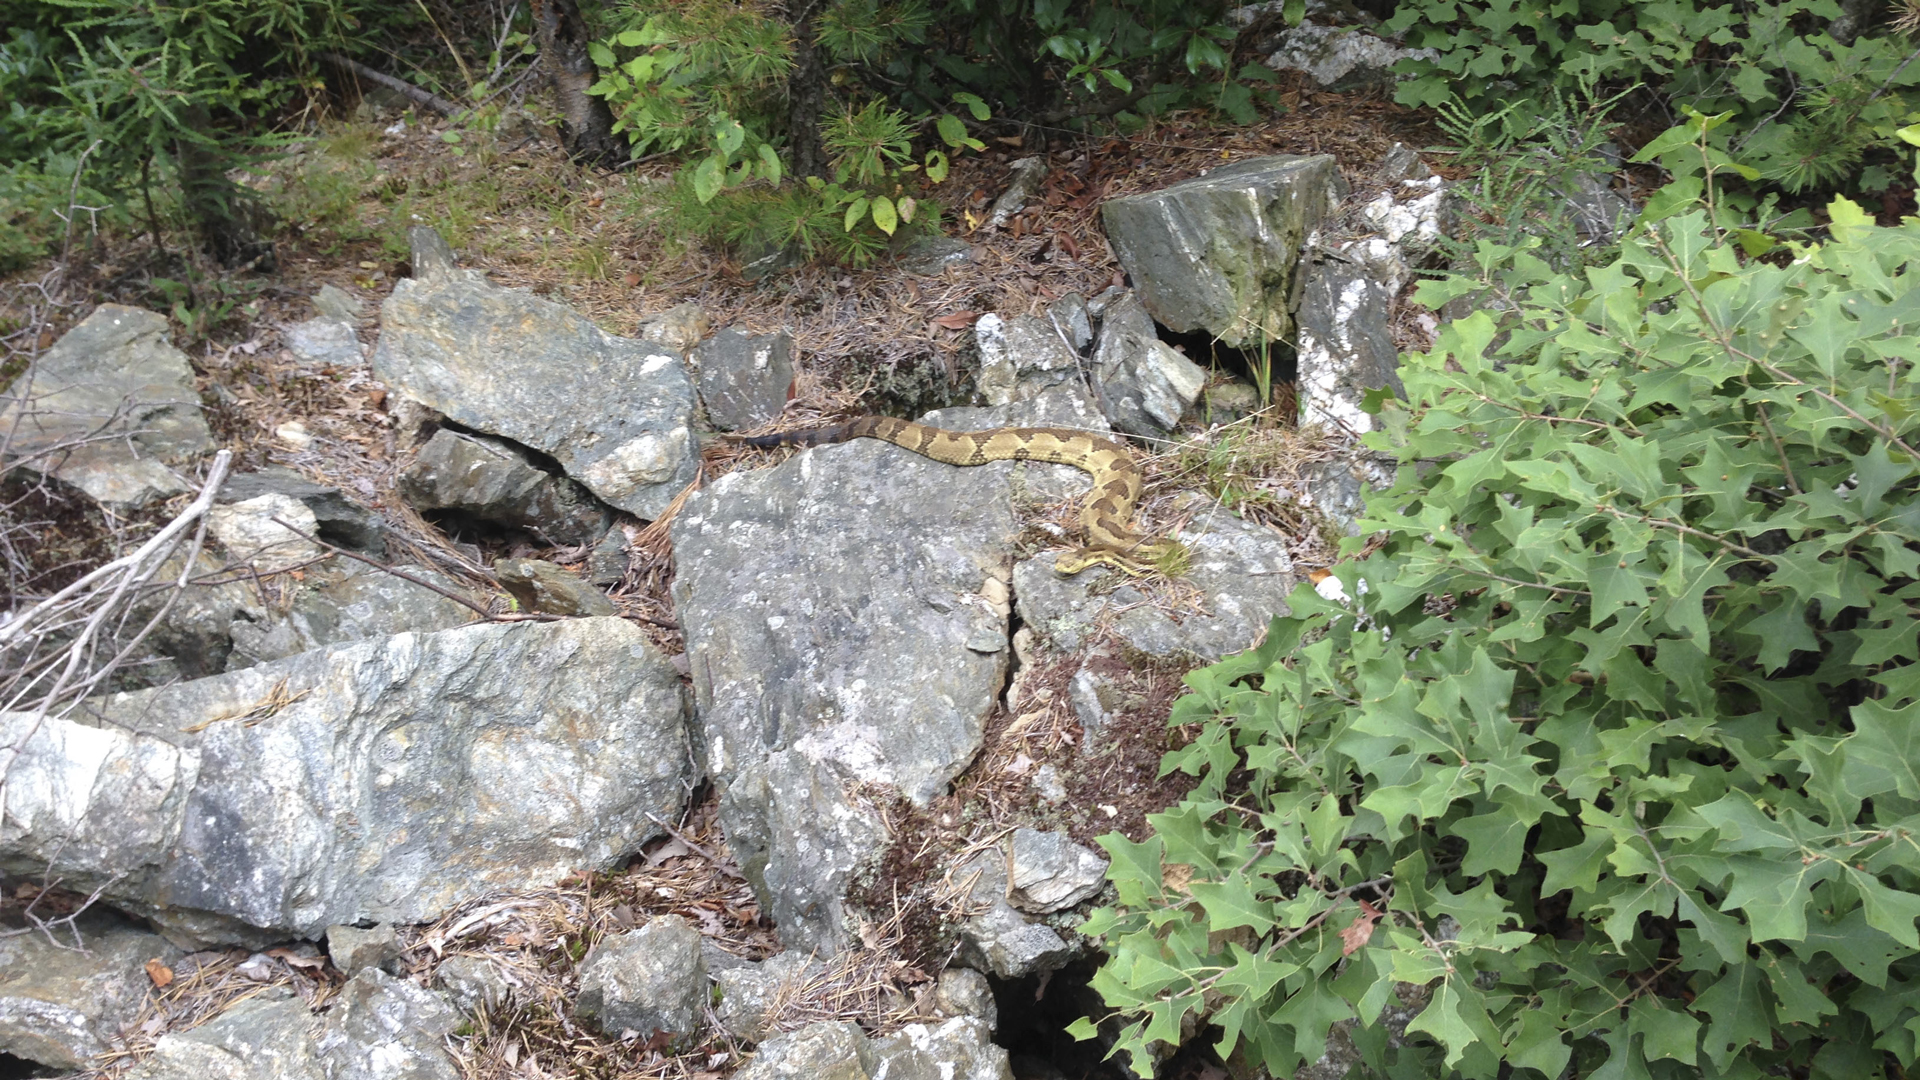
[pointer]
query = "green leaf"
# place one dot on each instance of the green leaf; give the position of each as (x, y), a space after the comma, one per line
(1495, 841)
(1738, 1012)
(1134, 869)
(1539, 1042)
(708, 178)
(1444, 1018)
(1232, 903)
(884, 214)
(856, 213)
(1083, 1029)
(1890, 739)
(1664, 1032)
(952, 131)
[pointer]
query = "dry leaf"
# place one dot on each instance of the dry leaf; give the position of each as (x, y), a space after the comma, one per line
(958, 320)
(161, 974)
(1175, 877)
(294, 959)
(1355, 935)
(625, 917)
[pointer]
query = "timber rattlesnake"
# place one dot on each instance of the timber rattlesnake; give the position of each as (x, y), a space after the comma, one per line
(1108, 511)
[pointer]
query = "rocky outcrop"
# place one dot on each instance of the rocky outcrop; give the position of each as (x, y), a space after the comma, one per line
(846, 622)
(1217, 253)
(268, 1037)
(385, 780)
(342, 601)
(110, 409)
(1024, 356)
(63, 1002)
(616, 413)
(339, 520)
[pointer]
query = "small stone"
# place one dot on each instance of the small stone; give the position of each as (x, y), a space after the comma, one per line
(1023, 183)
(1046, 783)
(341, 521)
(60, 1006)
(959, 1049)
(1072, 320)
(1000, 939)
(332, 302)
(607, 562)
(744, 378)
(1226, 402)
(432, 256)
(538, 585)
(1052, 873)
(474, 984)
(965, 992)
(383, 1028)
(294, 434)
(353, 950)
(1145, 387)
(256, 531)
(827, 1050)
(929, 256)
(679, 328)
(648, 980)
(749, 993)
(324, 342)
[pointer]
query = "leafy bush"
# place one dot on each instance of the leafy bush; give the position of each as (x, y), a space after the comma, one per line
(1806, 107)
(1615, 750)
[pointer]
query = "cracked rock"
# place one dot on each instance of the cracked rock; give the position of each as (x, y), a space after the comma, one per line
(647, 980)
(1052, 873)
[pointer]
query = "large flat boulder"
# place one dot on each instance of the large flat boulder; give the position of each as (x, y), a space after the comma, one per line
(110, 408)
(615, 412)
(1217, 252)
(384, 780)
(846, 624)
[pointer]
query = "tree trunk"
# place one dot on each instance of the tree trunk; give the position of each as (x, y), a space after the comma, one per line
(219, 209)
(806, 95)
(586, 127)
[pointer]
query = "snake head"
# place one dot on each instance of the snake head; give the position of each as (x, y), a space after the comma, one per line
(1166, 557)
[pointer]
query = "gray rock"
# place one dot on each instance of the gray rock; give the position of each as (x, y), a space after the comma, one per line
(607, 562)
(325, 342)
(651, 980)
(1346, 347)
(1022, 357)
(1338, 488)
(1000, 939)
(341, 521)
(266, 1037)
(744, 378)
(268, 532)
(958, 1049)
(1411, 215)
(828, 605)
(1051, 872)
(1339, 58)
(1217, 252)
(929, 256)
(474, 984)
(751, 994)
(61, 1005)
(382, 781)
(1144, 386)
(965, 992)
(827, 1050)
(333, 302)
(338, 602)
(494, 480)
(679, 328)
(353, 949)
(432, 257)
(1226, 402)
(1073, 320)
(616, 413)
(538, 585)
(120, 398)
(1024, 177)
(383, 1028)
(1242, 570)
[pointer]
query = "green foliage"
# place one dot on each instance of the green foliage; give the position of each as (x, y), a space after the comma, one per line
(135, 97)
(1805, 107)
(1614, 752)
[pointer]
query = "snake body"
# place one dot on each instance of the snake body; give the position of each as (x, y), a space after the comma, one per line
(1106, 516)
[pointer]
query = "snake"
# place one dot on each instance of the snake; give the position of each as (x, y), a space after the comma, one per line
(1105, 517)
